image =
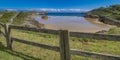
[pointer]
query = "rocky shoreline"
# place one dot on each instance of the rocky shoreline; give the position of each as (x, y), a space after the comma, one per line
(88, 15)
(104, 19)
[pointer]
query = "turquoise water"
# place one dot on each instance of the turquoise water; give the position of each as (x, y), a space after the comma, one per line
(66, 14)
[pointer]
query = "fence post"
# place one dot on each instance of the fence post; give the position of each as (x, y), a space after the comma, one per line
(8, 37)
(0, 27)
(64, 45)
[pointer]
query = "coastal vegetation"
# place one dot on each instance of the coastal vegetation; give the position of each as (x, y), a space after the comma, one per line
(114, 31)
(20, 18)
(112, 11)
(5, 18)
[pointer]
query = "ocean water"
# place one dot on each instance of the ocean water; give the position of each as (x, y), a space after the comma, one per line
(68, 21)
(66, 14)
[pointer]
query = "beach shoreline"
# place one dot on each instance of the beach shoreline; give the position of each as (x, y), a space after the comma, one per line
(81, 27)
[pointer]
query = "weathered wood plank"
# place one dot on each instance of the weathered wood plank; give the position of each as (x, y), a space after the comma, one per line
(49, 47)
(96, 36)
(95, 55)
(1, 24)
(1, 31)
(50, 31)
(64, 45)
(8, 37)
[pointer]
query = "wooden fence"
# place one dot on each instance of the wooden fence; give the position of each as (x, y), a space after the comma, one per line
(63, 48)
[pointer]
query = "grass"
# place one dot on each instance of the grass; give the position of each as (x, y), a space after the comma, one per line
(7, 16)
(28, 52)
(112, 11)
(20, 18)
(114, 31)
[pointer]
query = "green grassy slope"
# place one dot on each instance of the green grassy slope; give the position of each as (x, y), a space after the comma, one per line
(7, 16)
(20, 18)
(112, 11)
(114, 31)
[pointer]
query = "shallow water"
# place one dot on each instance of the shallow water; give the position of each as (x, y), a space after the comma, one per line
(71, 23)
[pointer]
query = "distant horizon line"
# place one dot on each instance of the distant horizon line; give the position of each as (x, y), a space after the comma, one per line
(45, 9)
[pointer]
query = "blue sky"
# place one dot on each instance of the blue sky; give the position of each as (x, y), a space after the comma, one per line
(66, 4)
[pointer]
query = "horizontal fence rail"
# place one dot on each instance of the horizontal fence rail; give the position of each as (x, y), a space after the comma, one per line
(64, 48)
(72, 34)
(95, 36)
(95, 55)
(1, 24)
(54, 48)
(49, 31)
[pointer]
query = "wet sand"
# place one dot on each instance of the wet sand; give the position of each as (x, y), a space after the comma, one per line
(75, 24)
(96, 22)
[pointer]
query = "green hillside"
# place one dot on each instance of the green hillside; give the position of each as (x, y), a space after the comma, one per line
(112, 11)
(6, 16)
(20, 18)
